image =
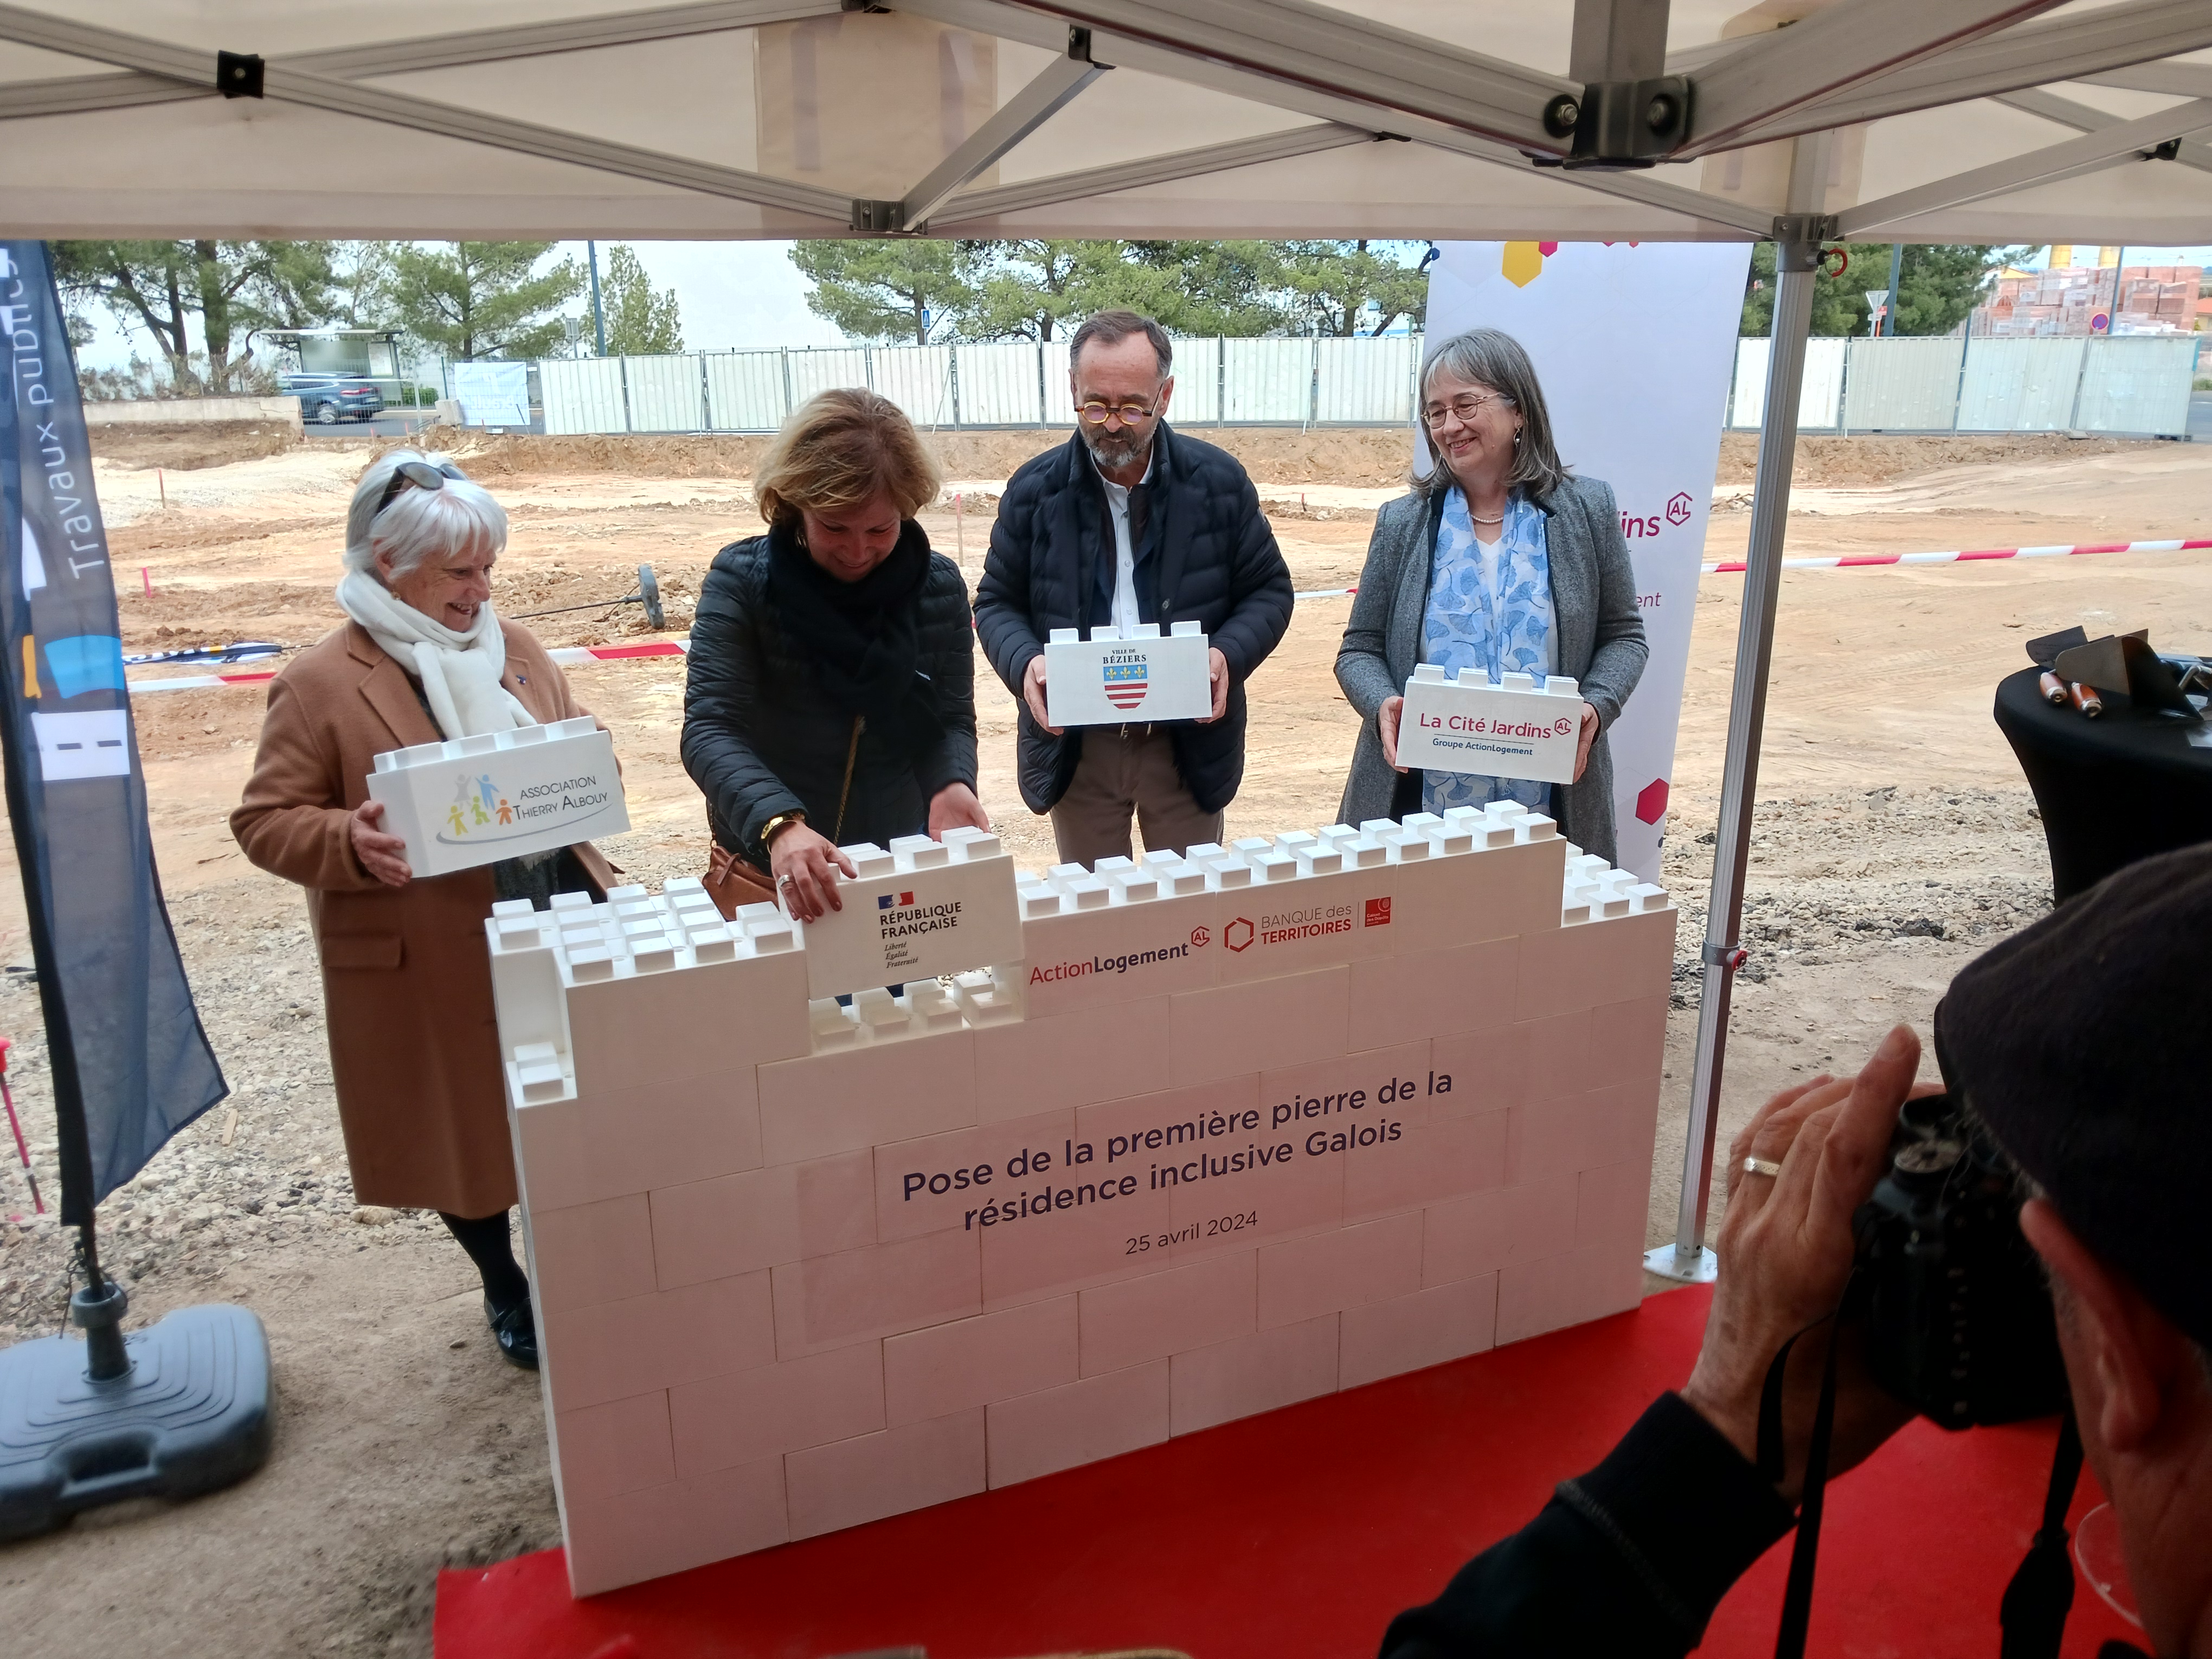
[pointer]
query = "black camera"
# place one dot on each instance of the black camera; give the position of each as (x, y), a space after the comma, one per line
(1958, 1317)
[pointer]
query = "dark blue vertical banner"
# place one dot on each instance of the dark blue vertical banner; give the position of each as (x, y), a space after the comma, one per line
(130, 1064)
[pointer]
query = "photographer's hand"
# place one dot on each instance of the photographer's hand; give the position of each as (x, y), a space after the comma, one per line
(1785, 1252)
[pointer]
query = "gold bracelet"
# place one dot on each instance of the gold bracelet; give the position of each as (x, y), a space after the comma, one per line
(776, 825)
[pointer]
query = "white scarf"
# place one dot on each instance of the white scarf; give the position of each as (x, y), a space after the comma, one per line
(460, 672)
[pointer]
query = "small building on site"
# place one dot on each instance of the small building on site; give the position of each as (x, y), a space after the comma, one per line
(370, 353)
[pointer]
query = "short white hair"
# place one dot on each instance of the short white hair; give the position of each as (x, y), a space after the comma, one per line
(461, 520)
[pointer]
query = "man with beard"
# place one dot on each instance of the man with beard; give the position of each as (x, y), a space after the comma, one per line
(1130, 522)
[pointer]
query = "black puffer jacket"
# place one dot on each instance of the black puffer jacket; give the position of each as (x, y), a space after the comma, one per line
(1218, 566)
(760, 738)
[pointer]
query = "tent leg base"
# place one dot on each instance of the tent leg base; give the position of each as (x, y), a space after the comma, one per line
(1700, 1268)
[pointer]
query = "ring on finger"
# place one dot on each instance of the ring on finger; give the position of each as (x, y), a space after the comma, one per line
(1766, 1166)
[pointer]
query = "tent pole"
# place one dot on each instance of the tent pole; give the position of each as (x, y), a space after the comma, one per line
(1798, 254)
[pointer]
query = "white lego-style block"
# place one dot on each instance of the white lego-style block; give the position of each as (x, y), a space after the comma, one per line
(1108, 680)
(1080, 1422)
(498, 795)
(1509, 730)
(913, 922)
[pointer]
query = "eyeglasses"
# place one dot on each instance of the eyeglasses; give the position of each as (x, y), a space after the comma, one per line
(420, 474)
(1466, 408)
(1095, 412)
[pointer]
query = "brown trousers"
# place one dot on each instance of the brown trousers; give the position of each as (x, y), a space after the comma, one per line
(1128, 769)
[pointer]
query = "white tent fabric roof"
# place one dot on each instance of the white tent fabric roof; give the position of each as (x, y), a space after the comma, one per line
(1955, 120)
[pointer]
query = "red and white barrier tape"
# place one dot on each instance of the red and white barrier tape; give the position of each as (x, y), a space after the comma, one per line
(1960, 555)
(569, 655)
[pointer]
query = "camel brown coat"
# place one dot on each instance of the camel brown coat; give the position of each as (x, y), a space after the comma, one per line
(406, 974)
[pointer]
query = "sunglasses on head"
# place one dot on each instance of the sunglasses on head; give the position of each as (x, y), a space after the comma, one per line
(421, 474)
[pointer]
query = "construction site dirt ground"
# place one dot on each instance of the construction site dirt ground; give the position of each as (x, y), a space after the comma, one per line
(1894, 841)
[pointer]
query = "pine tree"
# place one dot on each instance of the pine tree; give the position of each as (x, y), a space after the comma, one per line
(640, 322)
(482, 299)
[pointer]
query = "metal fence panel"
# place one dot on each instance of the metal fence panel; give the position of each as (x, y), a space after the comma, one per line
(1267, 381)
(1902, 385)
(918, 378)
(1197, 400)
(998, 383)
(1059, 402)
(665, 394)
(813, 371)
(745, 390)
(1364, 382)
(2139, 385)
(1819, 404)
(2019, 386)
(582, 396)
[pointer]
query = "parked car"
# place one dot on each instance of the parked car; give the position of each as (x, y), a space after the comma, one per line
(330, 399)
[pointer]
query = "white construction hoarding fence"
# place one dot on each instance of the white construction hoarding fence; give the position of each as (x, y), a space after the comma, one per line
(1360, 381)
(1937, 384)
(2137, 385)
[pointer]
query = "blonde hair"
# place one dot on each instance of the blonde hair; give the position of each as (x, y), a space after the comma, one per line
(461, 520)
(836, 450)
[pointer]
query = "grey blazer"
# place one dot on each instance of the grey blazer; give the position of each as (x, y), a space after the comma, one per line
(1594, 617)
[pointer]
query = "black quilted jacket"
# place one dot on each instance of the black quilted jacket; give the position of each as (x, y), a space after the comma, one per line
(760, 738)
(1219, 567)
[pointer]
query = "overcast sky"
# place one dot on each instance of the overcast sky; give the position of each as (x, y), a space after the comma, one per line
(748, 294)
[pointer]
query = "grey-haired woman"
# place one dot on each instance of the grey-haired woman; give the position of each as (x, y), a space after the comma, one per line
(406, 985)
(1499, 559)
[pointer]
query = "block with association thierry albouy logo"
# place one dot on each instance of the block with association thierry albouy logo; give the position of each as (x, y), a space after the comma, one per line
(919, 909)
(1119, 676)
(500, 794)
(1468, 722)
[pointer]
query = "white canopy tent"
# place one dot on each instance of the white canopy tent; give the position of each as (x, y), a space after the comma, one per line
(1799, 121)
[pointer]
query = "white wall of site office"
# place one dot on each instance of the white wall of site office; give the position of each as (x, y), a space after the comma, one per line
(1937, 384)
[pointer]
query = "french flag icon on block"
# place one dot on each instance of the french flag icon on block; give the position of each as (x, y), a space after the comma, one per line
(887, 901)
(1125, 684)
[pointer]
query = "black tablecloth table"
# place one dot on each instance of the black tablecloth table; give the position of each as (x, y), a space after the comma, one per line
(2126, 787)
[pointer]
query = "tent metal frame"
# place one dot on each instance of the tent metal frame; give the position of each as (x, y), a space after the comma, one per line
(1349, 81)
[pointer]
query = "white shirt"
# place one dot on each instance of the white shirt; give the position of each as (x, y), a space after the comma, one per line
(1125, 559)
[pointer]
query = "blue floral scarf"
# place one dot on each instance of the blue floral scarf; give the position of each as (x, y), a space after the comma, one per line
(1498, 630)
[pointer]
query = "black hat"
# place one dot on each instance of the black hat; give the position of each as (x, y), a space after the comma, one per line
(2085, 1044)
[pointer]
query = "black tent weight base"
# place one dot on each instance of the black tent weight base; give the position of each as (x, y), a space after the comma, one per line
(188, 1413)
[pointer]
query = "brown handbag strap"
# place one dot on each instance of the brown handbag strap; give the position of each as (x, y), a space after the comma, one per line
(845, 794)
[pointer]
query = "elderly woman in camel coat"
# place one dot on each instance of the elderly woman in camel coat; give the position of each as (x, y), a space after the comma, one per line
(406, 982)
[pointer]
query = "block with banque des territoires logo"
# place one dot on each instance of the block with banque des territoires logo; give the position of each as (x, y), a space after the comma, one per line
(500, 794)
(917, 909)
(1138, 676)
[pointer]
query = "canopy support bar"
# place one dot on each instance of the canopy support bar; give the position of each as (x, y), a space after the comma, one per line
(1798, 254)
(1021, 115)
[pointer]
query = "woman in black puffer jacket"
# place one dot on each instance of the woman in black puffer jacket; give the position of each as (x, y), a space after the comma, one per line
(831, 690)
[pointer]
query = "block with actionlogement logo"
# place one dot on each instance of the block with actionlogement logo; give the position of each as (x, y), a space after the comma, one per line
(1180, 1139)
(501, 794)
(1468, 722)
(1116, 675)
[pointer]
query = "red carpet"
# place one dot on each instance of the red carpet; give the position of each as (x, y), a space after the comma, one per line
(1300, 1532)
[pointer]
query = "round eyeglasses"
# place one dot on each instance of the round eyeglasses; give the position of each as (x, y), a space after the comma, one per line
(1465, 408)
(1095, 412)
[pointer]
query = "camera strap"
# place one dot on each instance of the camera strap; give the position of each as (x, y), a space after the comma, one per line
(2041, 1594)
(1797, 1598)
(2032, 1616)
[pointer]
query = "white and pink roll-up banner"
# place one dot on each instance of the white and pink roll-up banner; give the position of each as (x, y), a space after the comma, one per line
(1635, 346)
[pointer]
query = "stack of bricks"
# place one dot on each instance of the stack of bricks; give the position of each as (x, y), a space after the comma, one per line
(2064, 302)
(1243, 1127)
